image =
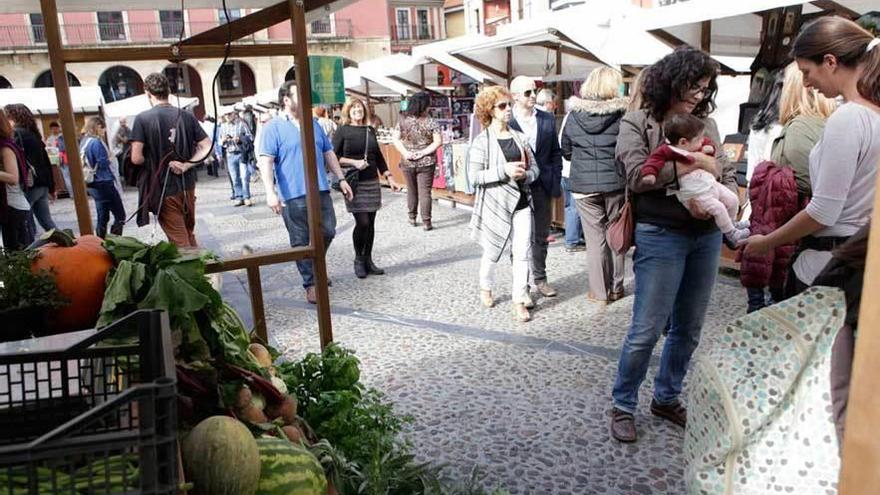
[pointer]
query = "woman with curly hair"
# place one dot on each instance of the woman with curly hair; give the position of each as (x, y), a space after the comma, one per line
(501, 167)
(29, 139)
(676, 257)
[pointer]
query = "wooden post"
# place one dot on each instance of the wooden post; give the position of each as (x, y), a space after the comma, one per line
(313, 199)
(509, 65)
(706, 37)
(65, 112)
(861, 446)
(255, 286)
(422, 75)
(559, 85)
(367, 88)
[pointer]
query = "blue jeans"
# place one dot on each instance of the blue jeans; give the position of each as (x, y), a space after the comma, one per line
(38, 197)
(574, 232)
(675, 274)
(296, 219)
(240, 175)
(107, 200)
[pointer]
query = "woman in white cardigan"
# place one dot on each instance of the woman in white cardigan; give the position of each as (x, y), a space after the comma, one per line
(501, 166)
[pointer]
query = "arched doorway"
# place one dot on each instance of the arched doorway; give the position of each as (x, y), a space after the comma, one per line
(184, 80)
(4, 83)
(44, 80)
(236, 82)
(120, 82)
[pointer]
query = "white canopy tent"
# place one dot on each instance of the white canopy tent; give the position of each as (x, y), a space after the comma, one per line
(357, 80)
(130, 107)
(735, 27)
(41, 101)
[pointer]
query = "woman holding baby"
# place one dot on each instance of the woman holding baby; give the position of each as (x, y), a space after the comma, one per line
(678, 241)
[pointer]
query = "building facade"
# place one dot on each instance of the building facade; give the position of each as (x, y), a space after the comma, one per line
(354, 32)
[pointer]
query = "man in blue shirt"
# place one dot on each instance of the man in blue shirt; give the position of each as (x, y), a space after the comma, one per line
(281, 163)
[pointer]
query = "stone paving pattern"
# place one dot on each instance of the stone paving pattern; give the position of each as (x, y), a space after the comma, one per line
(526, 403)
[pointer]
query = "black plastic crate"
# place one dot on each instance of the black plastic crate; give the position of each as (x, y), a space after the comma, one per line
(97, 418)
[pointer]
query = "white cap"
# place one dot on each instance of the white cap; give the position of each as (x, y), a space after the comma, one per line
(521, 84)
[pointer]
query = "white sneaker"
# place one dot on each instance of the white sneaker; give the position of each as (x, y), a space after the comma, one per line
(248, 202)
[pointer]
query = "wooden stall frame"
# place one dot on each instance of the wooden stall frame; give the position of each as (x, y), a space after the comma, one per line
(212, 44)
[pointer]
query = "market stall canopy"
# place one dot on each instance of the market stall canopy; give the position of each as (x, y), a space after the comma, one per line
(735, 27)
(585, 35)
(356, 81)
(400, 72)
(18, 6)
(41, 101)
(129, 107)
(439, 52)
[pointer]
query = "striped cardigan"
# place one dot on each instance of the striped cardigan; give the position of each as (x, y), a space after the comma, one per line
(496, 194)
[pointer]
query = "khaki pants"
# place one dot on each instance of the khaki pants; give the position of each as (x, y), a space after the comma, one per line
(604, 266)
(178, 219)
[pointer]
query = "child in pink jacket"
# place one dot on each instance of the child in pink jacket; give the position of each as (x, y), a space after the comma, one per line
(686, 135)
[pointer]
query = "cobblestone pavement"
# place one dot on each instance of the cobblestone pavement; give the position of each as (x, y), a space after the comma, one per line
(526, 403)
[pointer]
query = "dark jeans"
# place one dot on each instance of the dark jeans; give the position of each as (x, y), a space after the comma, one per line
(543, 207)
(418, 191)
(38, 197)
(107, 200)
(675, 274)
(574, 232)
(17, 233)
(296, 219)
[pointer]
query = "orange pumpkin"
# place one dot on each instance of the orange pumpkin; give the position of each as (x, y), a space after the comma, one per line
(80, 268)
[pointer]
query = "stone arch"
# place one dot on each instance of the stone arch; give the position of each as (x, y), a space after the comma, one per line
(4, 83)
(236, 81)
(44, 80)
(120, 82)
(184, 80)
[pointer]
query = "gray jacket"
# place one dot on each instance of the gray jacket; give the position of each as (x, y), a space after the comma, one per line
(496, 194)
(588, 141)
(640, 134)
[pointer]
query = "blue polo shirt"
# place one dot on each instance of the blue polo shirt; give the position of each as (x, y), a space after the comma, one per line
(281, 140)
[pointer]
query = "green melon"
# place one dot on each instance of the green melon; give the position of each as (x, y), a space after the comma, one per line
(289, 470)
(221, 457)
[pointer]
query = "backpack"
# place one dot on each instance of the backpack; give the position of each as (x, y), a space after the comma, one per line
(26, 171)
(89, 169)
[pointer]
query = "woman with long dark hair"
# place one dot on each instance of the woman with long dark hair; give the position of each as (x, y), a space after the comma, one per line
(839, 58)
(103, 187)
(677, 255)
(354, 142)
(29, 139)
(14, 207)
(417, 138)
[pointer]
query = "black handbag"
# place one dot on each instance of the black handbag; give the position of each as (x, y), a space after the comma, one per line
(351, 177)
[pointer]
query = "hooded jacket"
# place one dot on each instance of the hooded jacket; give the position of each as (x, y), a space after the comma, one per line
(588, 141)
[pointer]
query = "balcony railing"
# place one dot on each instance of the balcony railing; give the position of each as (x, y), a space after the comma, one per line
(22, 37)
(412, 32)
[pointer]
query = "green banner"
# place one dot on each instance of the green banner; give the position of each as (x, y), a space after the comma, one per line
(328, 81)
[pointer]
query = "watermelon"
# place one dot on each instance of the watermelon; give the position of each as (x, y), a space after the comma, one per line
(221, 457)
(289, 470)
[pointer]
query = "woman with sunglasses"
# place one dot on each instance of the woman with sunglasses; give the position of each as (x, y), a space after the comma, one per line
(501, 167)
(676, 257)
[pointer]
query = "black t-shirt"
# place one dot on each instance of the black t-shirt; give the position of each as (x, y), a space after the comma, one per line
(512, 153)
(349, 142)
(168, 133)
(35, 153)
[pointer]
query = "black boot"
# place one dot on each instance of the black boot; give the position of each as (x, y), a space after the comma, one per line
(360, 267)
(372, 269)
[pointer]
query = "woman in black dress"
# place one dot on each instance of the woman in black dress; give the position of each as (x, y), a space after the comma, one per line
(356, 146)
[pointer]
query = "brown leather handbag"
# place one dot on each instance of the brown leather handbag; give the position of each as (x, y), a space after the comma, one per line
(620, 233)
